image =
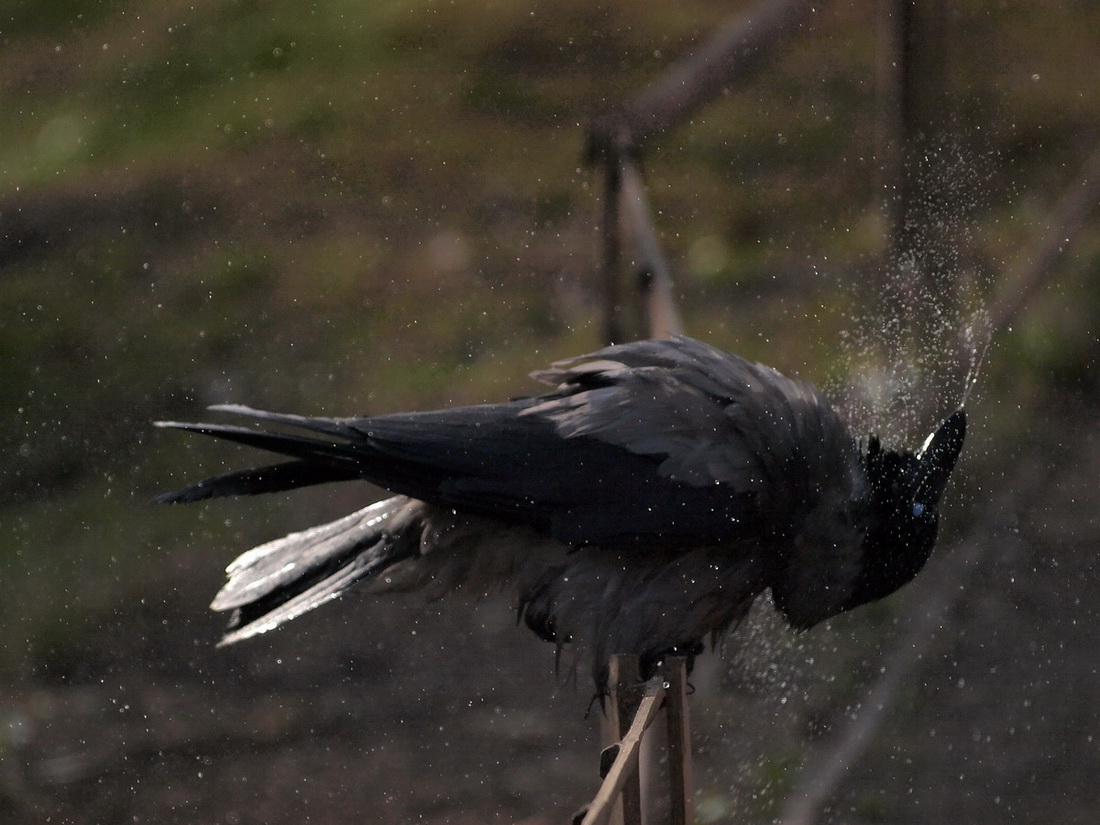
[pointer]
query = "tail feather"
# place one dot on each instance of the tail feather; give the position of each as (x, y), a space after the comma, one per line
(284, 578)
(295, 446)
(274, 478)
(267, 614)
(316, 461)
(328, 426)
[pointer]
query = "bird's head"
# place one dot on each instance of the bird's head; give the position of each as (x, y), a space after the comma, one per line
(902, 515)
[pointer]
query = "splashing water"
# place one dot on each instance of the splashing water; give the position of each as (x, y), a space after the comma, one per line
(978, 337)
(911, 356)
(915, 353)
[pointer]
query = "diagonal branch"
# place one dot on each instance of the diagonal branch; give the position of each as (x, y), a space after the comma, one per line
(626, 755)
(826, 771)
(732, 52)
(1029, 268)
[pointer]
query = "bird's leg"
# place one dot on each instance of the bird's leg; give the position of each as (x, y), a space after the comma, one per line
(651, 664)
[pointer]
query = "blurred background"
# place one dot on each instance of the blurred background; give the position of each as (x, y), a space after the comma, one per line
(341, 208)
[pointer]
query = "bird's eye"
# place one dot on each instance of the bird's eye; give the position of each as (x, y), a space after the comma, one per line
(918, 509)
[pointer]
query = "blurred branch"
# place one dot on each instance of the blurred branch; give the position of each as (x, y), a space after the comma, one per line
(1031, 267)
(826, 770)
(615, 141)
(614, 331)
(732, 52)
(917, 110)
(654, 280)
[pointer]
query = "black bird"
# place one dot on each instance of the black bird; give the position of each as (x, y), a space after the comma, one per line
(639, 506)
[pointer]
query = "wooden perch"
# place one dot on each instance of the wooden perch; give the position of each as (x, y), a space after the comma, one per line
(681, 778)
(634, 706)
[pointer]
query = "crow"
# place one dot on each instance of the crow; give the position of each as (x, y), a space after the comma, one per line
(639, 506)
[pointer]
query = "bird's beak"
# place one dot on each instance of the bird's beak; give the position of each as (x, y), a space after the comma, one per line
(937, 458)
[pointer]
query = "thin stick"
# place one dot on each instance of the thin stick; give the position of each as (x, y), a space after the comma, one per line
(681, 773)
(654, 280)
(625, 766)
(626, 696)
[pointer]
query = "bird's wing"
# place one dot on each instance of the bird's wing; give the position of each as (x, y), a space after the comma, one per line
(710, 417)
(658, 442)
(498, 461)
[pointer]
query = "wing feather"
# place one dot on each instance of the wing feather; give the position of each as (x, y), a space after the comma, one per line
(711, 417)
(669, 443)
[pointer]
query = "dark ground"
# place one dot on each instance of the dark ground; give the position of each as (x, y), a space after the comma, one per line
(396, 711)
